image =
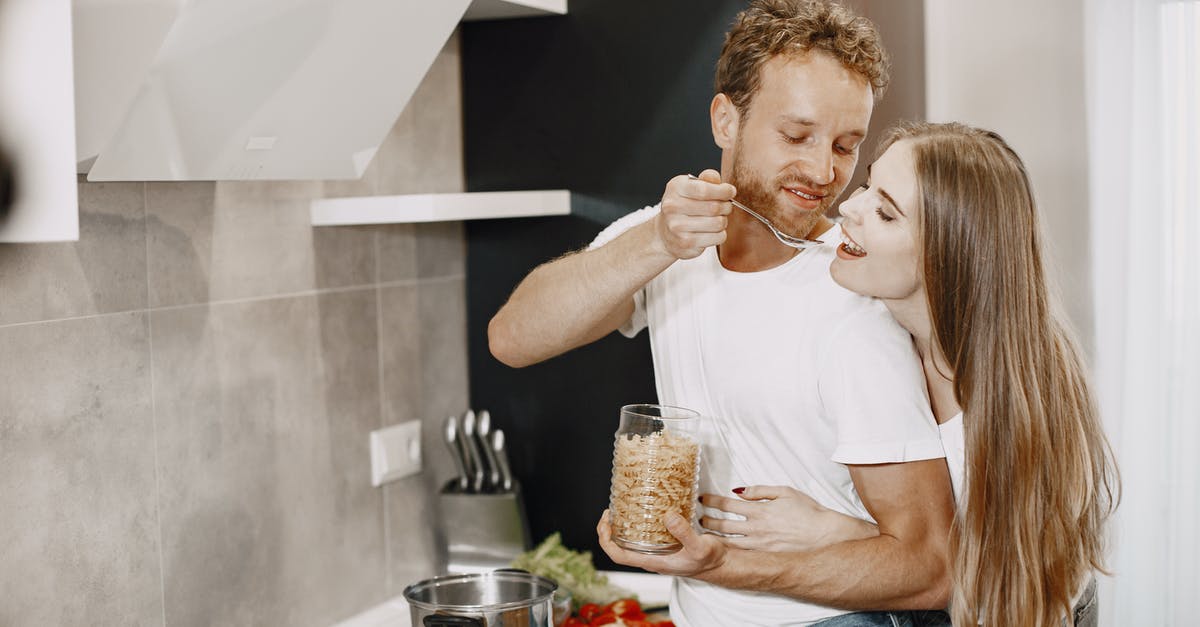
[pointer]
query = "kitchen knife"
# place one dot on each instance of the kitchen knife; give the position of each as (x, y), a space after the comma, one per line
(483, 430)
(464, 453)
(474, 455)
(452, 442)
(506, 478)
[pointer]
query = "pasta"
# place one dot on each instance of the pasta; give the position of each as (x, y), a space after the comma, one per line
(652, 475)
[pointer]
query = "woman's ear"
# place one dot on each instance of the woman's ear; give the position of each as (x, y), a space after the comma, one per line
(725, 119)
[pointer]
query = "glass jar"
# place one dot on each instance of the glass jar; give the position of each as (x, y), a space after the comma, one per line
(656, 469)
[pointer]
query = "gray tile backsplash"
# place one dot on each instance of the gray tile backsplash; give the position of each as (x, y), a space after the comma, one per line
(78, 533)
(432, 126)
(186, 395)
(401, 361)
(207, 245)
(103, 273)
(264, 408)
(345, 256)
(179, 238)
(398, 252)
(442, 315)
(431, 389)
(441, 250)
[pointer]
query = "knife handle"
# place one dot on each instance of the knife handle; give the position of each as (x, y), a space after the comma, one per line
(501, 453)
(473, 451)
(483, 431)
(453, 438)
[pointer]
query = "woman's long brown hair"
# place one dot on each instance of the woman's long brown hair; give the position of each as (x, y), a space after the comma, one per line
(1040, 476)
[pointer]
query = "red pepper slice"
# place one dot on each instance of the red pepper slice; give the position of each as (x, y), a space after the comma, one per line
(588, 611)
(626, 608)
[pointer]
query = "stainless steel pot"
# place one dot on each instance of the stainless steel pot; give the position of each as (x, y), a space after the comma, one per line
(501, 598)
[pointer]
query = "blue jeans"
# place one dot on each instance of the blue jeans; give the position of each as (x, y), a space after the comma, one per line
(1087, 614)
(919, 618)
(1087, 610)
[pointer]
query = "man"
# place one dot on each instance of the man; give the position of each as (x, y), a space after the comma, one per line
(812, 387)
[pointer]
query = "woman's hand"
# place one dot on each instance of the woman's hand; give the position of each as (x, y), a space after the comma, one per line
(779, 518)
(700, 553)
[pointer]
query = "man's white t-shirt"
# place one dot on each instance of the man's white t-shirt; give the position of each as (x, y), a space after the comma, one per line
(796, 377)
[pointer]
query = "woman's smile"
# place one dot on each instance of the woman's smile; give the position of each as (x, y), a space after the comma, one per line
(849, 249)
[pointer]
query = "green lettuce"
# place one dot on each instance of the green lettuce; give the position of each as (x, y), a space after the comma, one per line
(572, 570)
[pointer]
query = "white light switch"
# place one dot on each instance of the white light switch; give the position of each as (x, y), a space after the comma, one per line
(260, 143)
(395, 452)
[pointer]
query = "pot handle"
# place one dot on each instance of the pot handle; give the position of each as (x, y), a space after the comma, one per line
(438, 620)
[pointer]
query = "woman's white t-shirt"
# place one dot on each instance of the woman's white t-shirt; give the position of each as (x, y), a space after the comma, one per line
(953, 444)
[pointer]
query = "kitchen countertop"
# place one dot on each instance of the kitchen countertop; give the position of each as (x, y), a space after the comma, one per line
(652, 590)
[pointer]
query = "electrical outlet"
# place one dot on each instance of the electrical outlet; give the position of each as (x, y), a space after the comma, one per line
(395, 452)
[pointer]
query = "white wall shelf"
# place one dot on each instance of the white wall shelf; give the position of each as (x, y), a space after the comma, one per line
(439, 207)
(504, 9)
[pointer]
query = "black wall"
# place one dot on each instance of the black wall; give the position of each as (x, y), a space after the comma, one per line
(609, 101)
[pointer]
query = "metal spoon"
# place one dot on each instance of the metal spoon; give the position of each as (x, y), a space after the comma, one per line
(784, 238)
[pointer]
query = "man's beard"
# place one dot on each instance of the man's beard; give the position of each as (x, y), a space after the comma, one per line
(755, 193)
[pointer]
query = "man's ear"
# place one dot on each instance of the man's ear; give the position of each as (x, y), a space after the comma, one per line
(725, 120)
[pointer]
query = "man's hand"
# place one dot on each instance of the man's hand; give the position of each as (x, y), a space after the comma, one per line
(700, 553)
(694, 214)
(780, 518)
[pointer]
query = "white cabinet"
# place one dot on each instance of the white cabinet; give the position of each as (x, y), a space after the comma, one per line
(37, 120)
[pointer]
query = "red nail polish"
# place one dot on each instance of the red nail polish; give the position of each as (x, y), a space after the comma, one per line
(739, 490)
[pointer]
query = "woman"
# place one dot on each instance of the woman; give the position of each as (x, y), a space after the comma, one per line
(958, 262)
(945, 232)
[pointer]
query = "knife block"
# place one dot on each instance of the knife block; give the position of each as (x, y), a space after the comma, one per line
(482, 532)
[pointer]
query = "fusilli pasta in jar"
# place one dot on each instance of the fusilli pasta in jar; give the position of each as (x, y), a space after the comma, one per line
(656, 462)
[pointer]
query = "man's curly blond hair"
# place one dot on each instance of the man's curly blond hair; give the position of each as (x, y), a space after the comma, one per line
(770, 27)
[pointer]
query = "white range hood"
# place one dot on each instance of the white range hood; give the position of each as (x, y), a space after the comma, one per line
(253, 89)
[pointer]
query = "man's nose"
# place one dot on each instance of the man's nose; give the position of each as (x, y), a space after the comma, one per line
(818, 166)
